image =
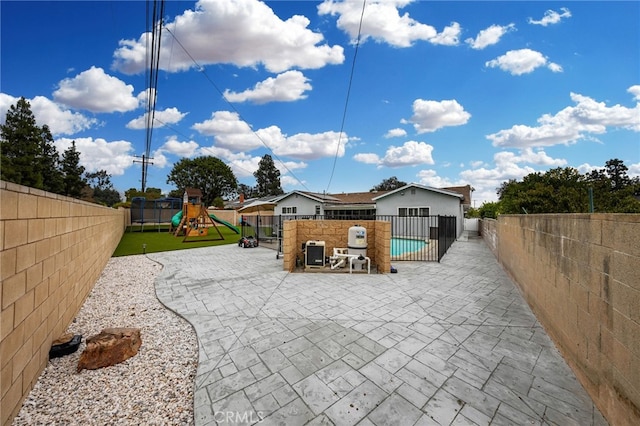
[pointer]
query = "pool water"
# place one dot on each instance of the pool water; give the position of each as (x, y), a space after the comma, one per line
(400, 246)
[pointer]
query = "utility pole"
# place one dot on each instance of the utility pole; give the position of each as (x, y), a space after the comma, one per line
(145, 164)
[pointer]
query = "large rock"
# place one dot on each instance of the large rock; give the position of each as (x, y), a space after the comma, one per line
(111, 346)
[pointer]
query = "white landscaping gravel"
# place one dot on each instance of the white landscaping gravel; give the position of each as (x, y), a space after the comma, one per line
(155, 387)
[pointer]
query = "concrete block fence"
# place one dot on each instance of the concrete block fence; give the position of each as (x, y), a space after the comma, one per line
(52, 251)
(580, 273)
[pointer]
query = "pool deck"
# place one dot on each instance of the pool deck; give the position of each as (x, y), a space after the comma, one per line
(449, 343)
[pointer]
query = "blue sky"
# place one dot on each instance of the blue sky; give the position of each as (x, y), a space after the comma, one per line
(440, 93)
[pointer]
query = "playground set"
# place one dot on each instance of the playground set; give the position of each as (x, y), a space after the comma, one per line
(195, 221)
(187, 217)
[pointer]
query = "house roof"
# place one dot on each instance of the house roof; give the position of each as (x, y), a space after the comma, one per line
(426, 188)
(464, 190)
(368, 199)
(358, 197)
(320, 198)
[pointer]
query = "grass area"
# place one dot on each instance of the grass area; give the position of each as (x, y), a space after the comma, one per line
(159, 239)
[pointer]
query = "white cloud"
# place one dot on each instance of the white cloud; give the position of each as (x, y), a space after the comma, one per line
(486, 181)
(635, 91)
(161, 118)
(244, 165)
(506, 165)
(382, 22)
(551, 17)
(430, 178)
(367, 158)
(235, 135)
(634, 170)
(96, 91)
(245, 33)
(286, 87)
(522, 61)
(429, 116)
(287, 181)
(159, 160)
(449, 35)
(395, 133)
(97, 154)
(411, 153)
(229, 131)
(489, 36)
(586, 168)
(539, 158)
(181, 149)
(60, 120)
(306, 146)
(570, 124)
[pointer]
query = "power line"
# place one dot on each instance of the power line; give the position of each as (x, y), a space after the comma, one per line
(204, 72)
(346, 103)
(153, 44)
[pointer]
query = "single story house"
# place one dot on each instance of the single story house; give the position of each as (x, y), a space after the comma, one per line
(412, 200)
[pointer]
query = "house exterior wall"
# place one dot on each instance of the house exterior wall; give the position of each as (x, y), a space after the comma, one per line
(52, 249)
(305, 206)
(439, 204)
(580, 274)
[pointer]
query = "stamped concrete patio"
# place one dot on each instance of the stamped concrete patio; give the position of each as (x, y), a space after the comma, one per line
(450, 343)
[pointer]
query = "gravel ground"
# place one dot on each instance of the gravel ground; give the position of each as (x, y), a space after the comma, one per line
(155, 387)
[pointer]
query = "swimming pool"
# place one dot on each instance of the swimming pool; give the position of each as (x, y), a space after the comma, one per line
(400, 246)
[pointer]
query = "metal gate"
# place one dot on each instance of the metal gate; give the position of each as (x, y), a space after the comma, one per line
(422, 238)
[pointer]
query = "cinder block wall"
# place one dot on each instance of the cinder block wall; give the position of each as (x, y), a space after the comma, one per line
(580, 273)
(383, 246)
(335, 233)
(53, 249)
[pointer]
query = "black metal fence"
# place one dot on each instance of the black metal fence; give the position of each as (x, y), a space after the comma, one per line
(424, 238)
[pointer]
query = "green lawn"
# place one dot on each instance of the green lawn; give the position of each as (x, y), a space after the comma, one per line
(133, 240)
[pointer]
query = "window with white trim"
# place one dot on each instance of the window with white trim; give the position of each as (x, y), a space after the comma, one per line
(289, 210)
(413, 211)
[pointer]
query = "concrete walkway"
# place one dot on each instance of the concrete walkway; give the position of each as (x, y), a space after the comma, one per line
(450, 343)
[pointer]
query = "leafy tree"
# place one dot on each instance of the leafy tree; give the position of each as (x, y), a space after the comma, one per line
(560, 190)
(176, 193)
(209, 174)
(248, 191)
(489, 210)
(20, 144)
(267, 177)
(388, 184)
(473, 213)
(613, 190)
(52, 176)
(29, 156)
(149, 193)
(218, 202)
(103, 191)
(73, 180)
(565, 190)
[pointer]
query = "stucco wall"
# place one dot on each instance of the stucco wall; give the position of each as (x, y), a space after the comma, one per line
(580, 273)
(53, 249)
(304, 206)
(335, 234)
(439, 204)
